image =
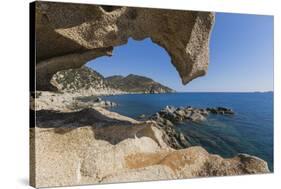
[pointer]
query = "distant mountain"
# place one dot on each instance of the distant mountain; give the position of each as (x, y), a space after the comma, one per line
(135, 83)
(87, 81)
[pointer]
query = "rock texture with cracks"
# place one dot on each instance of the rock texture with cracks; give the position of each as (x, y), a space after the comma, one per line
(99, 146)
(69, 35)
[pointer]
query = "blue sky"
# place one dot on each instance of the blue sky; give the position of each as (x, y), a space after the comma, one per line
(241, 58)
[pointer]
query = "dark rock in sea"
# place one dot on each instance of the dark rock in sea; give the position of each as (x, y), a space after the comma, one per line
(177, 115)
(220, 110)
(171, 116)
(204, 112)
(180, 113)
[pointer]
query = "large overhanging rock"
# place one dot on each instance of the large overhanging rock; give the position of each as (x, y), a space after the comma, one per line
(69, 35)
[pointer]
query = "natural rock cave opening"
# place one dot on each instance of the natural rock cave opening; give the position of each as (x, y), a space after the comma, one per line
(142, 58)
(137, 66)
(136, 62)
(94, 30)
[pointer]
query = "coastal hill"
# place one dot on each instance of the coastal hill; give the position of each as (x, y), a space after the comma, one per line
(139, 84)
(82, 81)
(87, 81)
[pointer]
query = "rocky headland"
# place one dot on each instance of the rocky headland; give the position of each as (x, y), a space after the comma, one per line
(85, 81)
(82, 81)
(137, 84)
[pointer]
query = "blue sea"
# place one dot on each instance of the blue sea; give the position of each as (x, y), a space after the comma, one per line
(249, 131)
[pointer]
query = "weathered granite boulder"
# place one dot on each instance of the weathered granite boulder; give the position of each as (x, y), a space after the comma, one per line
(197, 117)
(98, 146)
(68, 35)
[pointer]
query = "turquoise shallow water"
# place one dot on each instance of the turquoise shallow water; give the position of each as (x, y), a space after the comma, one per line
(249, 131)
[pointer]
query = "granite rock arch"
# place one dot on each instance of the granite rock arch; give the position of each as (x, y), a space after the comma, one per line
(69, 35)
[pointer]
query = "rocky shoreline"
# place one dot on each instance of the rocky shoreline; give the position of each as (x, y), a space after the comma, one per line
(86, 143)
(167, 118)
(66, 102)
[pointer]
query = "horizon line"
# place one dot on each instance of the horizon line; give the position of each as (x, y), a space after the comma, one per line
(270, 91)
